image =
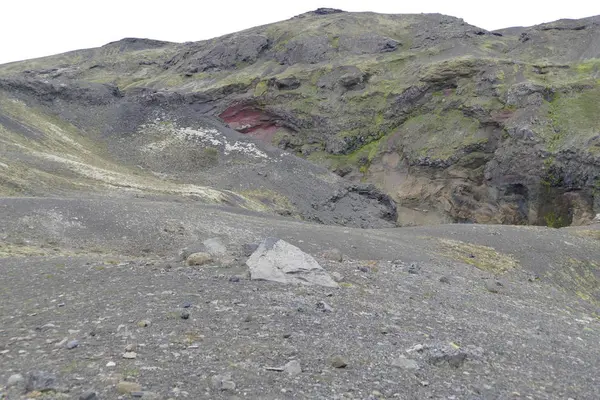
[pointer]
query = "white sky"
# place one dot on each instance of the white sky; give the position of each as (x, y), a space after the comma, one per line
(35, 28)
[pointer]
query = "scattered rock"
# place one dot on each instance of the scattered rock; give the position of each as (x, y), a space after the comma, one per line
(323, 306)
(222, 382)
(72, 344)
(130, 347)
(186, 304)
(339, 362)
(337, 276)
(363, 269)
(15, 380)
(111, 364)
(125, 387)
(235, 278)
(215, 247)
(199, 259)
(444, 279)
(493, 286)
(333, 255)
(88, 395)
(406, 363)
(278, 261)
(40, 381)
(130, 355)
(287, 335)
(293, 368)
(144, 323)
(417, 347)
(185, 314)
(414, 269)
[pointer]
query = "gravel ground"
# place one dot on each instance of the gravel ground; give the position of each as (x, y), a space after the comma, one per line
(417, 315)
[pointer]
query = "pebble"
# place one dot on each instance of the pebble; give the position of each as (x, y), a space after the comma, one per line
(222, 382)
(40, 381)
(186, 304)
(72, 344)
(89, 395)
(234, 278)
(444, 279)
(185, 315)
(337, 276)
(414, 269)
(130, 347)
(406, 363)
(493, 286)
(323, 306)
(199, 259)
(293, 368)
(124, 387)
(287, 335)
(111, 364)
(339, 362)
(14, 380)
(130, 355)
(144, 323)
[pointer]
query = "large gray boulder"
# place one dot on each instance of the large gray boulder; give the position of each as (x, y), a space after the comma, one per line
(278, 261)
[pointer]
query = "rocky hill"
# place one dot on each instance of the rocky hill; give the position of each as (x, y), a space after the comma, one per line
(453, 122)
(197, 220)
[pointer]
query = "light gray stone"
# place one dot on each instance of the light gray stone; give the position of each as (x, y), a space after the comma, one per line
(278, 261)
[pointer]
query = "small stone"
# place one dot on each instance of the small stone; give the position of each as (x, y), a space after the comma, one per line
(89, 395)
(293, 368)
(14, 380)
(414, 269)
(40, 381)
(444, 279)
(417, 347)
(222, 382)
(111, 364)
(323, 306)
(199, 259)
(186, 304)
(406, 363)
(130, 355)
(363, 269)
(333, 255)
(72, 344)
(143, 323)
(339, 362)
(137, 394)
(287, 335)
(337, 276)
(493, 286)
(185, 314)
(248, 318)
(124, 387)
(234, 278)
(130, 347)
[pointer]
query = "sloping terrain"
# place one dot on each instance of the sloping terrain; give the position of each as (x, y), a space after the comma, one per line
(454, 122)
(463, 311)
(119, 164)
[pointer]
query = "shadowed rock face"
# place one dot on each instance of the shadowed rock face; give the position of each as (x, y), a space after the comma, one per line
(452, 122)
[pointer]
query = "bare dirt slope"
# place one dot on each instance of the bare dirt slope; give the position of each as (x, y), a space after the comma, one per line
(474, 312)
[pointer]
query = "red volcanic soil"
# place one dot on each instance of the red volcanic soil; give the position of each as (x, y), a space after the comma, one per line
(250, 120)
